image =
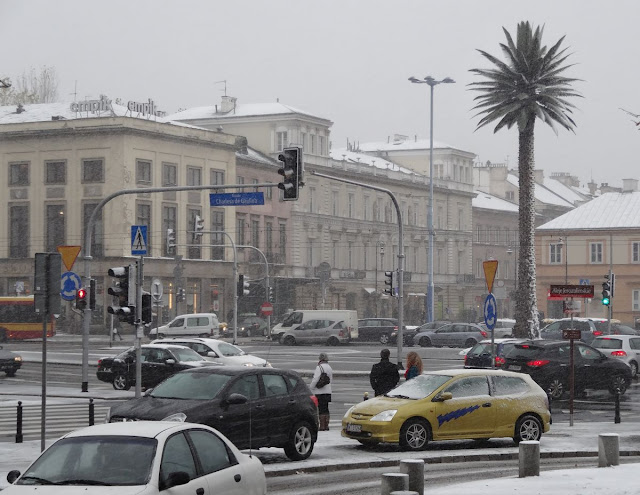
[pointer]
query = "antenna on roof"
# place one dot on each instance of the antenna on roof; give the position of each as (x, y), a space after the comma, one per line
(75, 91)
(225, 85)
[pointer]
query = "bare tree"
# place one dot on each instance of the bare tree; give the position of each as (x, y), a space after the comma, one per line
(33, 86)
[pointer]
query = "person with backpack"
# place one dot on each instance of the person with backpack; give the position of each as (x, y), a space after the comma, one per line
(321, 388)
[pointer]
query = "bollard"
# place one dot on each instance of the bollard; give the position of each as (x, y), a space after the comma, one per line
(415, 469)
(91, 412)
(616, 417)
(394, 482)
(19, 423)
(366, 396)
(529, 459)
(608, 449)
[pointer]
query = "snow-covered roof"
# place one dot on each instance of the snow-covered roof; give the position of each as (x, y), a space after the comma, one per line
(542, 194)
(490, 202)
(239, 110)
(256, 156)
(403, 145)
(341, 154)
(565, 192)
(609, 211)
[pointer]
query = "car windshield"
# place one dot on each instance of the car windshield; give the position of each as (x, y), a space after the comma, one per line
(523, 351)
(601, 326)
(185, 354)
(481, 348)
(606, 343)
(201, 386)
(419, 387)
(230, 350)
(124, 354)
(94, 460)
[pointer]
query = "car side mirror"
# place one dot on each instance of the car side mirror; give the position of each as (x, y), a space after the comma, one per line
(234, 399)
(170, 361)
(177, 478)
(12, 476)
(443, 396)
(211, 354)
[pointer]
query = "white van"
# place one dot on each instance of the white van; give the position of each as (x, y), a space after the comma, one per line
(297, 317)
(197, 324)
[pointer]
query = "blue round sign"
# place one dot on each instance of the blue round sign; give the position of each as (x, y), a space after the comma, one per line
(490, 313)
(70, 283)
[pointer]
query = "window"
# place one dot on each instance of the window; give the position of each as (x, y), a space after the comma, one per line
(143, 172)
(365, 207)
(305, 143)
(635, 252)
(97, 235)
(274, 385)
(218, 239)
(350, 255)
(255, 181)
(19, 174)
(240, 180)
(351, 208)
(321, 145)
(246, 385)
(596, 252)
(283, 241)
(376, 211)
(93, 170)
(255, 232)
(169, 221)
(509, 196)
(169, 174)
(281, 140)
(268, 233)
(310, 255)
(55, 227)
(19, 231)
(555, 254)
(211, 451)
(240, 227)
(177, 456)
(313, 144)
(217, 179)
(509, 385)
(193, 252)
(469, 387)
(143, 217)
(635, 300)
(55, 172)
(194, 176)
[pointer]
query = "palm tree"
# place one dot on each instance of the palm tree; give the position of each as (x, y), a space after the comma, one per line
(528, 86)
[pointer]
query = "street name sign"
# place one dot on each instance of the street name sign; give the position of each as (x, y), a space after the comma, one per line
(236, 199)
(585, 291)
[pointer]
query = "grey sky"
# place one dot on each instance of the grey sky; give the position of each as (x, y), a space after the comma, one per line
(346, 60)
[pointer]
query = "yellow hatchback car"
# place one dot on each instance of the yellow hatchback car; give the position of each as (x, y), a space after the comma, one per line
(452, 404)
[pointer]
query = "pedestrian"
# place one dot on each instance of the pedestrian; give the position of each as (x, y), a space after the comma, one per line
(116, 329)
(323, 393)
(384, 375)
(414, 365)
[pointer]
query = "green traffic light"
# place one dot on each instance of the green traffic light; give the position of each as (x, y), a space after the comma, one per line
(605, 301)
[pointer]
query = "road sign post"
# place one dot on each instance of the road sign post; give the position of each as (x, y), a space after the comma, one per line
(266, 308)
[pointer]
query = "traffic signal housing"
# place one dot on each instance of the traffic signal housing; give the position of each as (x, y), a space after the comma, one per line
(243, 286)
(389, 282)
(291, 171)
(146, 308)
(125, 290)
(181, 295)
(606, 292)
(92, 294)
(198, 227)
(270, 294)
(81, 299)
(171, 241)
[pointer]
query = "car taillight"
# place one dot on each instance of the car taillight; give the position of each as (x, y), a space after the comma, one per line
(597, 333)
(465, 358)
(99, 362)
(536, 363)
(395, 329)
(499, 361)
(619, 354)
(484, 334)
(314, 399)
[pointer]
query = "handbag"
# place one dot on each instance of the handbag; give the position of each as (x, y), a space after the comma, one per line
(324, 379)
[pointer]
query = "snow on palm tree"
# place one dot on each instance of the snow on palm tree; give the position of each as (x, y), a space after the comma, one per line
(528, 86)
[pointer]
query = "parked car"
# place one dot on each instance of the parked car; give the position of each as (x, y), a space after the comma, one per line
(452, 404)
(252, 326)
(452, 335)
(195, 325)
(253, 407)
(218, 351)
(320, 331)
(479, 356)
(377, 329)
(502, 329)
(158, 362)
(590, 328)
(10, 362)
(150, 458)
(623, 347)
(410, 332)
(295, 318)
(619, 329)
(548, 364)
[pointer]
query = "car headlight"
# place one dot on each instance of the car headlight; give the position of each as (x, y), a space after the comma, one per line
(385, 415)
(346, 415)
(177, 417)
(18, 359)
(267, 364)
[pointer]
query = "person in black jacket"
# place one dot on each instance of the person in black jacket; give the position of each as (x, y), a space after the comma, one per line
(384, 375)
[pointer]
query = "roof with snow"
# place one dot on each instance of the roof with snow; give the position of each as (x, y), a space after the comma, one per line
(609, 211)
(341, 154)
(490, 202)
(542, 194)
(256, 156)
(239, 110)
(402, 145)
(568, 193)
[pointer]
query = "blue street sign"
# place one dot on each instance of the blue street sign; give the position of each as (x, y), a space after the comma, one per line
(70, 283)
(236, 199)
(490, 312)
(139, 240)
(584, 281)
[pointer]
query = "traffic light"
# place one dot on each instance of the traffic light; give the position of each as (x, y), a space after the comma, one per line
(92, 294)
(270, 294)
(291, 171)
(198, 227)
(171, 241)
(146, 307)
(125, 290)
(81, 299)
(606, 291)
(243, 286)
(181, 295)
(389, 283)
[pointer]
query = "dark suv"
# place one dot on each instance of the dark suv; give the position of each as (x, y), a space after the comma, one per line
(548, 364)
(253, 407)
(590, 328)
(377, 329)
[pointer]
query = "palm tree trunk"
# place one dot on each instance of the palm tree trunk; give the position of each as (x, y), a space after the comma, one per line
(527, 324)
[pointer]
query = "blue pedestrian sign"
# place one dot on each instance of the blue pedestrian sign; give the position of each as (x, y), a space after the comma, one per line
(139, 240)
(490, 312)
(236, 199)
(70, 283)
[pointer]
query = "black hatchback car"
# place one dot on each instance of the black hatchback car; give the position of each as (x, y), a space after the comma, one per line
(548, 364)
(377, 329)
(253, 407)
(10, 362)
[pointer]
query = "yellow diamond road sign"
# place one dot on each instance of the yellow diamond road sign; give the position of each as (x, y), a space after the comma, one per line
(69, 255)
(490, 267)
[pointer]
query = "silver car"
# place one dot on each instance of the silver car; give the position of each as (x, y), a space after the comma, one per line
(452, 335)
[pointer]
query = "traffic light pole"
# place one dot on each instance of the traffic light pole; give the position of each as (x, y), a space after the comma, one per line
(400, 254)
(139, 327)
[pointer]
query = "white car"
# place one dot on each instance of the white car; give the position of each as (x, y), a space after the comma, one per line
(149, 457)
(218, 351)
(624, 347)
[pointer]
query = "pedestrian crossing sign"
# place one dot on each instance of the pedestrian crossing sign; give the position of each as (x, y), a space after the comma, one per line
(139, 240)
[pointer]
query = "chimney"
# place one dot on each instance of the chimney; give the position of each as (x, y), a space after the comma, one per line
(538, 175)
(629, 185)
(593, 187)
(228, 104)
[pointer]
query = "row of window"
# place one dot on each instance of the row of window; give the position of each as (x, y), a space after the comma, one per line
(55, 172)
(595, 252)
(311, 143)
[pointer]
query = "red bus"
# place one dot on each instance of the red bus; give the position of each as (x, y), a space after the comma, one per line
(18, 319)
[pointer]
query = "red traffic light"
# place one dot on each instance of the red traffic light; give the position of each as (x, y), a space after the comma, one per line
(81, 294)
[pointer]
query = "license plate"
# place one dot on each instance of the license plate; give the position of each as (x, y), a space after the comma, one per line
(514, 367)
(354, 428)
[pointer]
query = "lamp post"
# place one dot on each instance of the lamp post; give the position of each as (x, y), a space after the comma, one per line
(565, 251)
(514, 251)
(431, 82)
(379, 244)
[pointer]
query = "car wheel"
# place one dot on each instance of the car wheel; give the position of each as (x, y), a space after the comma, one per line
(333, 341)
(470, 342)
(414, 434)
(528, 427)
(121, 382)
(289, 340)
(556, 388)
(618, 382)
(10, 372)
(634, 369)
(384, 338)
(300, 443)
(425, 342)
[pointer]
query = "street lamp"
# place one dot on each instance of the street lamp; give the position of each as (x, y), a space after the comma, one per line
(431, 82)
(565, 251)
(379, 244)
